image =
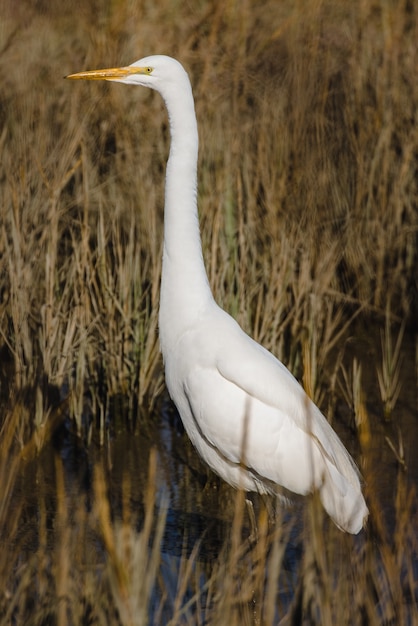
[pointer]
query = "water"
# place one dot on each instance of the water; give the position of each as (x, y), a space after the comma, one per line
(199, 507)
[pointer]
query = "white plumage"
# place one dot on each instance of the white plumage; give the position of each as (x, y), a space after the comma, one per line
(245, 413)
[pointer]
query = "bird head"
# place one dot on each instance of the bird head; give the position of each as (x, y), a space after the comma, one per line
(156, 72)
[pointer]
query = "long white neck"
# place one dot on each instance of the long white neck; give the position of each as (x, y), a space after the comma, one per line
(185, 290)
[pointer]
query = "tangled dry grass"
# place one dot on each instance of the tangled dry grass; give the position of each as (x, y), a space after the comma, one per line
(308, 183)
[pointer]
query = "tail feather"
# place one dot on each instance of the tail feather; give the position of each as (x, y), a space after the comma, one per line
(343, 500)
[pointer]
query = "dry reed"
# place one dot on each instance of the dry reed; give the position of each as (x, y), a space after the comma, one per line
(308, 202)
(307, 185)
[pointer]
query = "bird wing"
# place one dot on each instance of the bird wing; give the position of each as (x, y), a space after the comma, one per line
(264, 377)
(246, 403)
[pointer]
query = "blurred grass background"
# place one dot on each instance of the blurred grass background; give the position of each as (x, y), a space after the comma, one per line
(308, 185)
(308, 203)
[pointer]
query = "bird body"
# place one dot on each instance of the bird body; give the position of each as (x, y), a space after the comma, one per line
(245, 413)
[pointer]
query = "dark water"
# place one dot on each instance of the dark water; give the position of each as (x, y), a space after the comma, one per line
(198, 506)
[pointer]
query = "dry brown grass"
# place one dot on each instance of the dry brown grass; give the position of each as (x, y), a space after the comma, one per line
(308, 187)
(74, 556)
(308, 201)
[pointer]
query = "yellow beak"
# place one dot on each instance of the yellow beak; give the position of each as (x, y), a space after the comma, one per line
(111, 73)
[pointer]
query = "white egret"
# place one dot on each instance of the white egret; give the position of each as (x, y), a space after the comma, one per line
(243, 410)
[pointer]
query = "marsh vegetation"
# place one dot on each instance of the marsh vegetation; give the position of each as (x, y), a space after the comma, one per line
(308, 198)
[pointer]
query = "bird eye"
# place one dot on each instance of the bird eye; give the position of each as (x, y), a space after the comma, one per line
(148, 70)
